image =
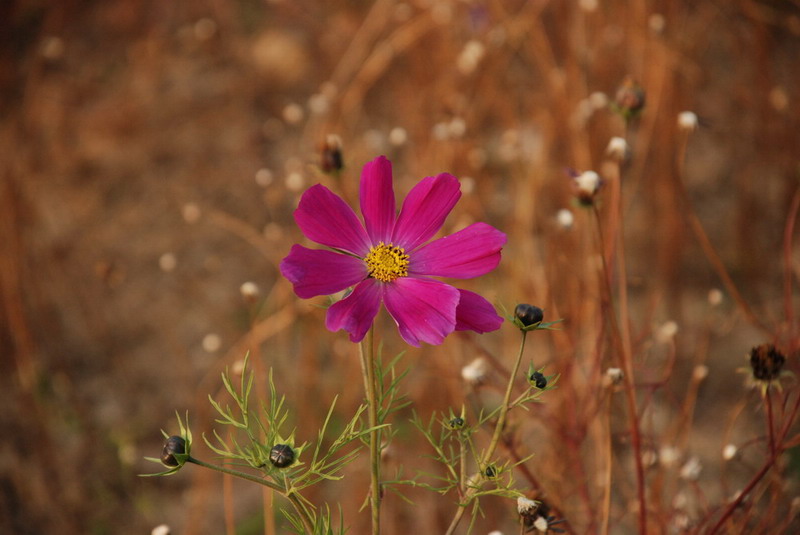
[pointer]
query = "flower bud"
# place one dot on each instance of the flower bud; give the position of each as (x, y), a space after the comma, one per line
(490, 471)
(538, 380)
(629, 99)
(281, 455)
(332, 161)
(528, 314)
(456, 423)
(173, 446)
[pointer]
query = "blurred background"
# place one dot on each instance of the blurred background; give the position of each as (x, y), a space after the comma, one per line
(153, 153)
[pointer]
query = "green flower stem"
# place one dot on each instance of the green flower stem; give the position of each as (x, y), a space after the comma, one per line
(291, 495)
(498, 433)
(501, 420)
(368, 368)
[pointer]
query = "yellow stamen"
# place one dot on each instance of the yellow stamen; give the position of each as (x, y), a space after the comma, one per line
(387, 262)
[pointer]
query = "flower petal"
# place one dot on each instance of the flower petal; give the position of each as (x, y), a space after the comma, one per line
(316, 272)
(474, 313)
(424, 210)
(326, 219)
(424, 309)
(377, 199)
(468, 253)
(356, 312)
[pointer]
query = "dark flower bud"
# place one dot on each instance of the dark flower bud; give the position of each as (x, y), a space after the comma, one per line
(766, 362)
(528, 314)
(332, 161)
(490, 472)
(173, 446)
(456, 423)
(538, 380)
(629, 99)
(281, 455)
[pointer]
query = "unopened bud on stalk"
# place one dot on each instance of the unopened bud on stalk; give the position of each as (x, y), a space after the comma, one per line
(174, 448)
(630, 98)
(332, 160)
(281, 455)
(456, 423)
(538, 380)
(528, 314)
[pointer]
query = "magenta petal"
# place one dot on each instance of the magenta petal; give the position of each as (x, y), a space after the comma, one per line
(377, 199)
(356, 312)
(468, 253)
(326, 219)
(424, 309)
(425, 209)
(316, 272)
(474, 313)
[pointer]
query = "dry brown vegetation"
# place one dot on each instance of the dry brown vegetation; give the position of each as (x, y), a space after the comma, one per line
(153, 152)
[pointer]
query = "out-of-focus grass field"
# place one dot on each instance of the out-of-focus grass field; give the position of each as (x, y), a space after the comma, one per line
(152, 153)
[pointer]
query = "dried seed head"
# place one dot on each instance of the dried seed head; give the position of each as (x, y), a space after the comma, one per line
(565, 218)
(526, 506)
(687, 121)
(161, 529)
(691, 469)
(617, 148)
(766, 362)
(475, 372)
(585, 186)
(249, 291)
(613, 376)
(729, 452)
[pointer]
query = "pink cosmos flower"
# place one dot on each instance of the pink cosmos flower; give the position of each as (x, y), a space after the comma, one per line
(387, 260)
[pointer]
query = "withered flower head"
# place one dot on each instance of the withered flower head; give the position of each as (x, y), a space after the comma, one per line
(766, 362)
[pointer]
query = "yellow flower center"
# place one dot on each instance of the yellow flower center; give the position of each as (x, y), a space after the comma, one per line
(387, 262)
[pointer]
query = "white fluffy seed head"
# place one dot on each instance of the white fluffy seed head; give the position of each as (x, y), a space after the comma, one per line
(613, 376)
(212, 342)
(690, 471)
(565, 218)
(475, 372)
(249, 290)
(729, 452)
(617, 148)
(687, 121)
(526, 506)
(588, 182)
